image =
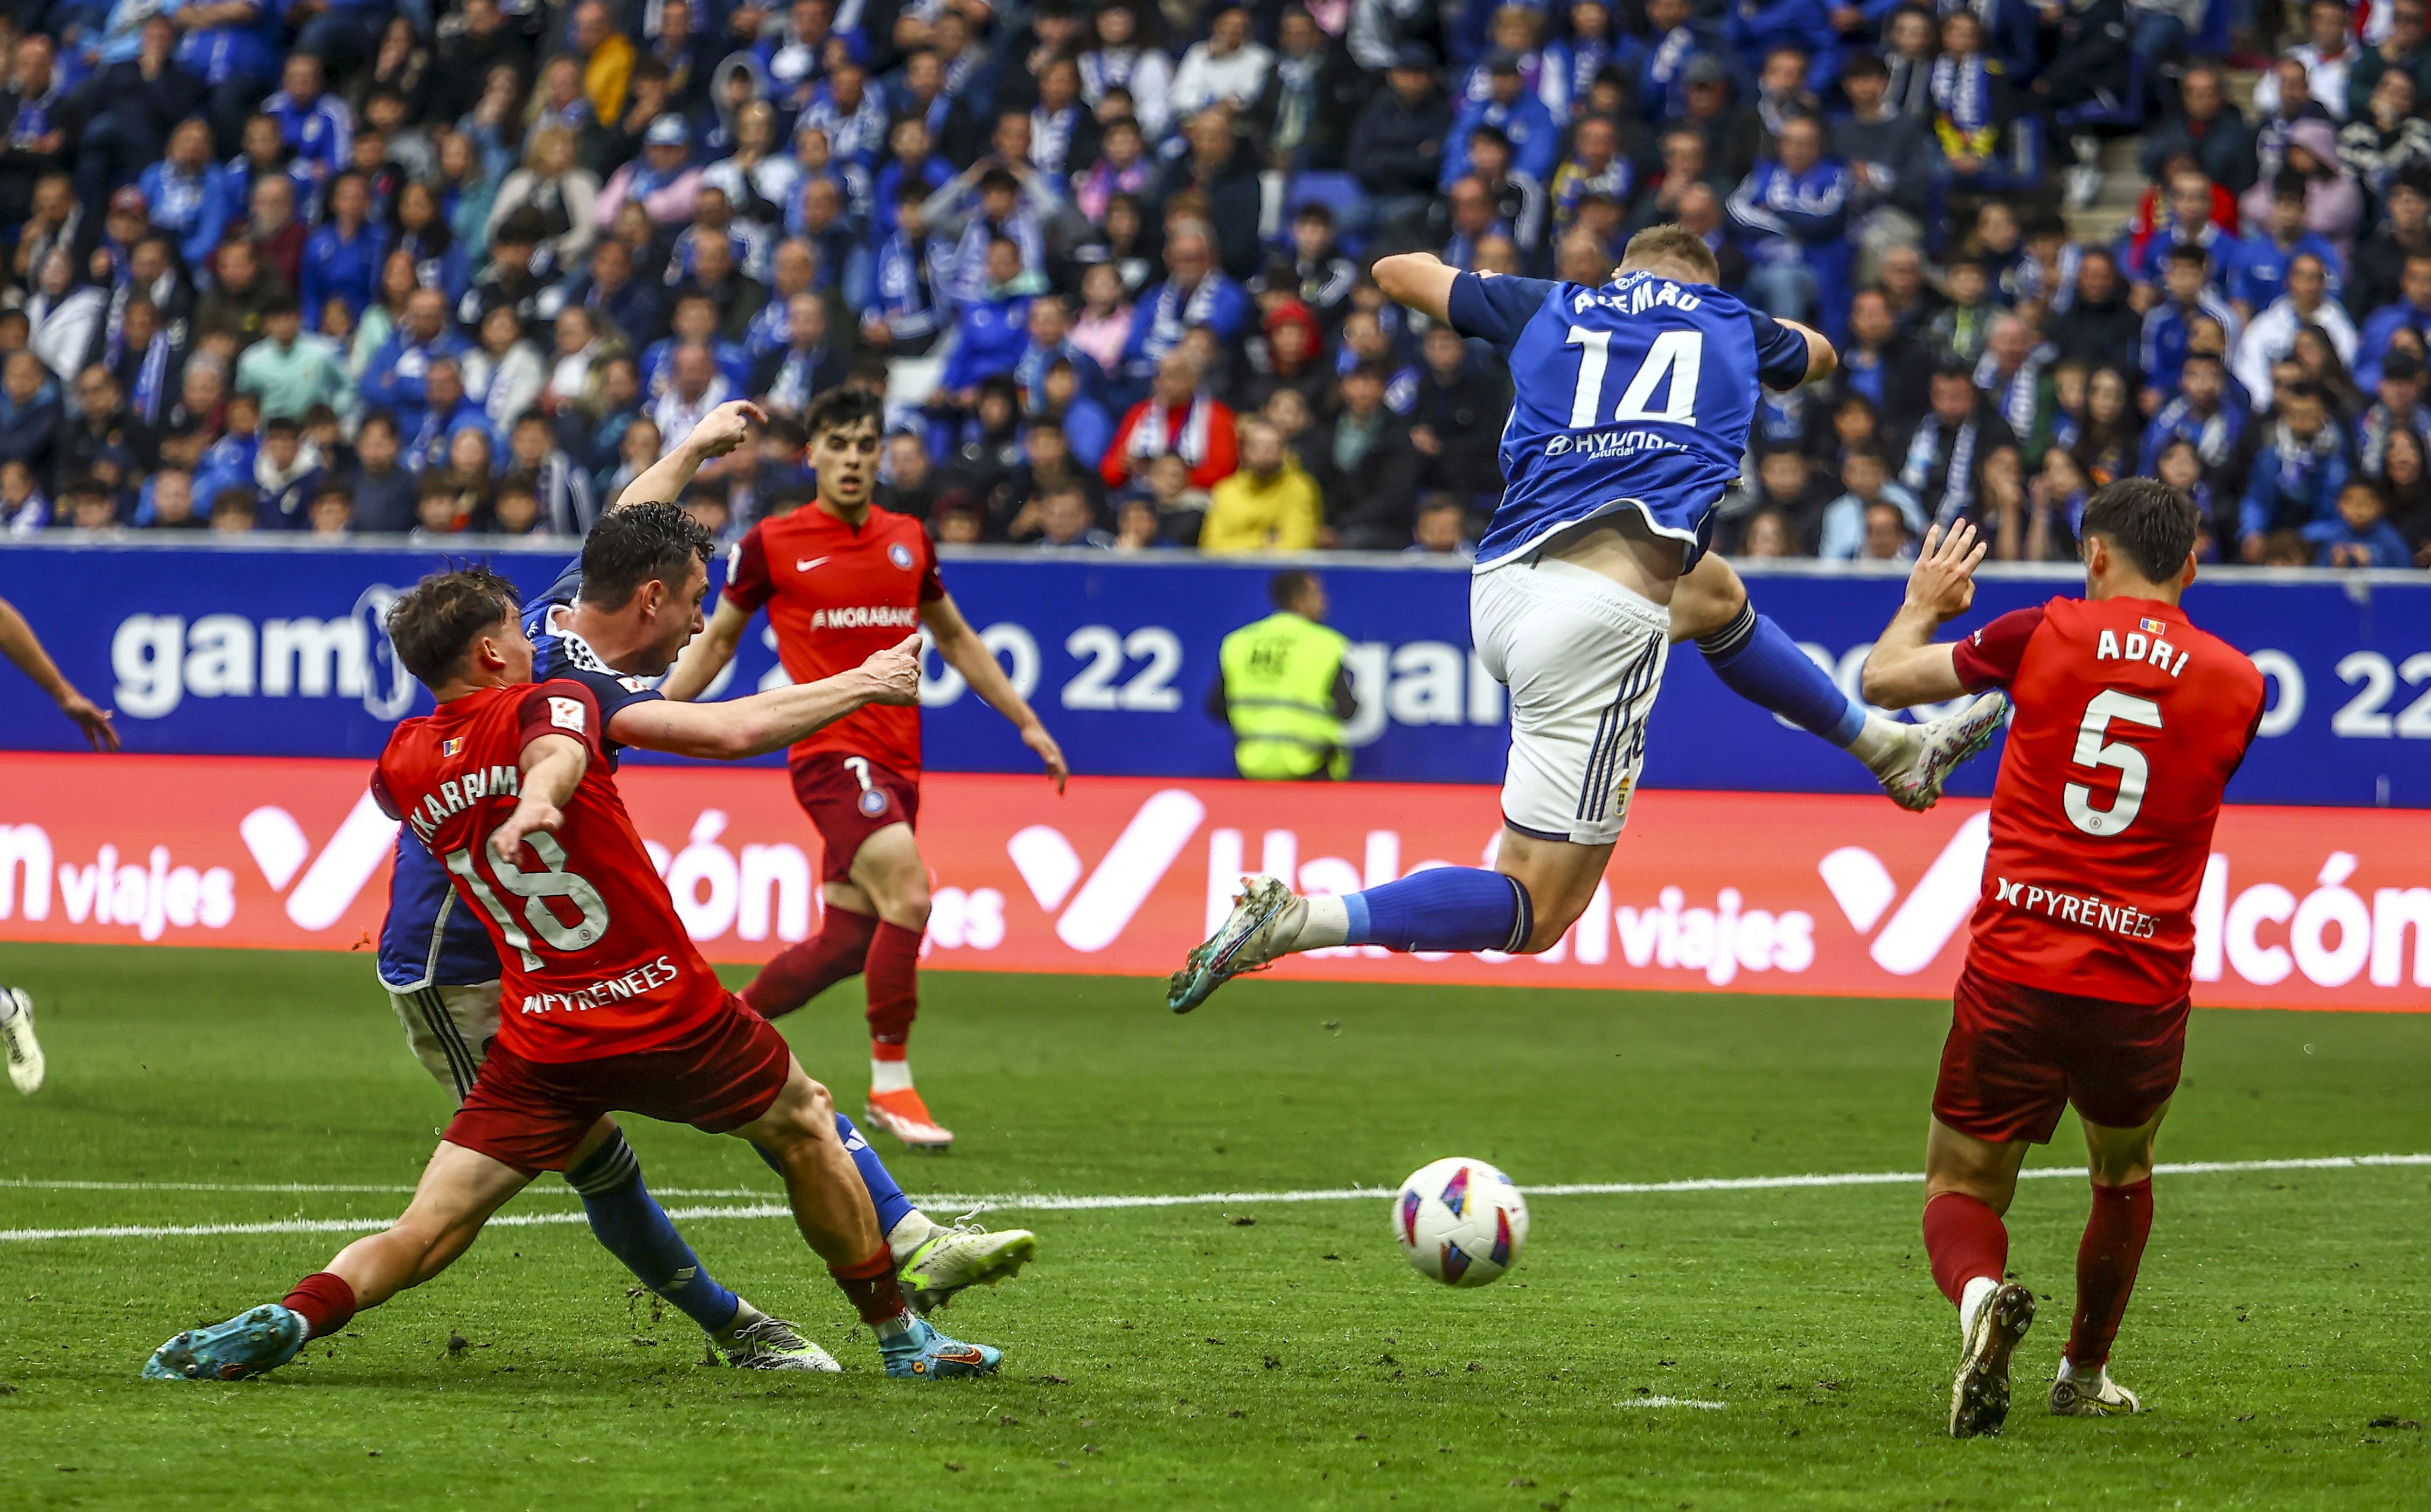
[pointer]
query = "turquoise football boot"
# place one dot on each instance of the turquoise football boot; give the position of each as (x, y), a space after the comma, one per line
(248, 1344)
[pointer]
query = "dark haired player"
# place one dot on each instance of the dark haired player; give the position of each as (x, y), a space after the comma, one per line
(613, 1009)
(1630, 413)
(615, 620)
(2129, 723)
(840, 577)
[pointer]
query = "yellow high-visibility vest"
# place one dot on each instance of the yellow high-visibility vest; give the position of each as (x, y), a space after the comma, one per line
(1279, 677)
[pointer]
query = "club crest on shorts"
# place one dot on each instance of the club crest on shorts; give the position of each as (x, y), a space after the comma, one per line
(873, 802)
(900, 555)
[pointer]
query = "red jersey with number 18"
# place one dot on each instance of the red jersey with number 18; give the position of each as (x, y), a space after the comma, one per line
(596, 963)
(2129, 723)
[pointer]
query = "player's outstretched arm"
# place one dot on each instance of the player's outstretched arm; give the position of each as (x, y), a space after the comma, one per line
(1906, 666)
(962, 650)
(1421, 280)
(723, 430)
(552, 768)
(1821, 361)
(735, 727)
(19, 643)
(706, 654)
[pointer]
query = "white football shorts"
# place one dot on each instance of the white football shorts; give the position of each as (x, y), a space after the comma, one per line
(1582, 657)
(449, 1030)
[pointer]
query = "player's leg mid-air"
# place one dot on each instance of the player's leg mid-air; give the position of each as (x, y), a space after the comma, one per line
(1594, 565)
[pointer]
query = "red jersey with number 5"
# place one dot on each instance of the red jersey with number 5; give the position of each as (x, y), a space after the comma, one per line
(836, 597)
(2129, 723)
(596, 962)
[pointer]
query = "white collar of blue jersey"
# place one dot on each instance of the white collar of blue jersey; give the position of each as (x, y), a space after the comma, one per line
(581, 651)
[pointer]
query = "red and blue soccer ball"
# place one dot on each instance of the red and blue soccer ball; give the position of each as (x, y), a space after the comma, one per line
(1460, 1222)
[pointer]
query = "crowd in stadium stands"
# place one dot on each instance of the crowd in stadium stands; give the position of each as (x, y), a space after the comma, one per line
(355, 266)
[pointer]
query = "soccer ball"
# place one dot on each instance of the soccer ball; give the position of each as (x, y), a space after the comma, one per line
(1460, 1222)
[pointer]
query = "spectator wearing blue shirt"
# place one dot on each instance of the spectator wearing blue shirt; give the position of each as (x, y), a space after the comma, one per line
(2167, 326)
(2358, 534)
(2412, 311)
(1509, 108)
(1756, 27)
(807, 364)
(2298, 474)
(135, 104)
(397, 376)
(1195, 293)
(1793, 212)
(315, 125)
(1656, 65)
(2189, 225)
(2201, 415)
(696, 324)
(342, 259)
(187, 194)
(1049, 329)
(345, 32)
(905, 315)
(2397, 406)
(991, 332)
(234, 45)
(2260, 263)
(446, 409)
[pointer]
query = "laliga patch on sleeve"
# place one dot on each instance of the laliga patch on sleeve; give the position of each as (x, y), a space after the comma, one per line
(566, 713)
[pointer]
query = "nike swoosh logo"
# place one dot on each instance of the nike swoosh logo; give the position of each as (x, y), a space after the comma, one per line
(963, 1354)
(805, 566)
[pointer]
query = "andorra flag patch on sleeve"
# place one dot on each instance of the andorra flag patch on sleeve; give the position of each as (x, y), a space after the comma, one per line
(452, 746)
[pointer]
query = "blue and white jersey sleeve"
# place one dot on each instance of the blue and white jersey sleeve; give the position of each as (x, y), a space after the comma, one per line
(1497, 309)
(1779, 353)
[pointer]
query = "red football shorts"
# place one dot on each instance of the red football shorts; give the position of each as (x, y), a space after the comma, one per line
(530, 1115)
(848, 800)
(2017, 1055)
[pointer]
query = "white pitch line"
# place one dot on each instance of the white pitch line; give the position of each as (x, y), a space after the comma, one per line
(1672, 1402)
(1055, 1203)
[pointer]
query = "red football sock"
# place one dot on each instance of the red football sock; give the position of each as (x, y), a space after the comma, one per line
(803, 971)
(2107, 1258)
(870, 1287)
(326, 1303)
(894, 983)
(1964, 1238)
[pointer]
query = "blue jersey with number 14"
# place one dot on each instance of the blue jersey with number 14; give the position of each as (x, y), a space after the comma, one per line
(1634, 395)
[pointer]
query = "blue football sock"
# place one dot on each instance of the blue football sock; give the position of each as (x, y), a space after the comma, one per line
(1442, 908)
(635, 1229)
(1759, 661)
(884, 1195)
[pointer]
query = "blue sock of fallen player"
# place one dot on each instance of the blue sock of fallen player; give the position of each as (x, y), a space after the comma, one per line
(635, 1229)
(884, 1194)
(1758, 660)
(1442, 908)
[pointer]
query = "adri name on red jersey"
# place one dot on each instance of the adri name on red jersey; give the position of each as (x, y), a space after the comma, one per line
(2130, 722)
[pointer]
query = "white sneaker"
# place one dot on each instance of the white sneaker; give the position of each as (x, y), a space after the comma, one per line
(964, 1255)
(1266, 912)
(2095, 1396)
(26, 1064)
(1938, 749)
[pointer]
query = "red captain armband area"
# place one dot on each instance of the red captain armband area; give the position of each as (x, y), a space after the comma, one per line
(560, 708)
(1989, 658)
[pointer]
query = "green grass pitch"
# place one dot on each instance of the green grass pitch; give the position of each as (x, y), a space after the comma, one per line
(1241, 1355)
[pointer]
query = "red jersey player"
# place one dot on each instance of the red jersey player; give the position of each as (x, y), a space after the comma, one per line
(607, 1005)
(841, 578)
(2129, 723)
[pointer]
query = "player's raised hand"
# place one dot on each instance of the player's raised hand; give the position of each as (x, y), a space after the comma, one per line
(726, 428)
(532, 816)
(1942, 582)
(897, 672)
(1034, 735)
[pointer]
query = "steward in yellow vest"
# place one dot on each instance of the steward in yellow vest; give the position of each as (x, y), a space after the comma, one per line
(1284, 691)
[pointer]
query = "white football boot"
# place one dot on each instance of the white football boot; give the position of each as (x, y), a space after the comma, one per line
(26, 1063)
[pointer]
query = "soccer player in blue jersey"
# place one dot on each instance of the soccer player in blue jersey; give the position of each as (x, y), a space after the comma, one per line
(1631, 419)
(615, 621)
